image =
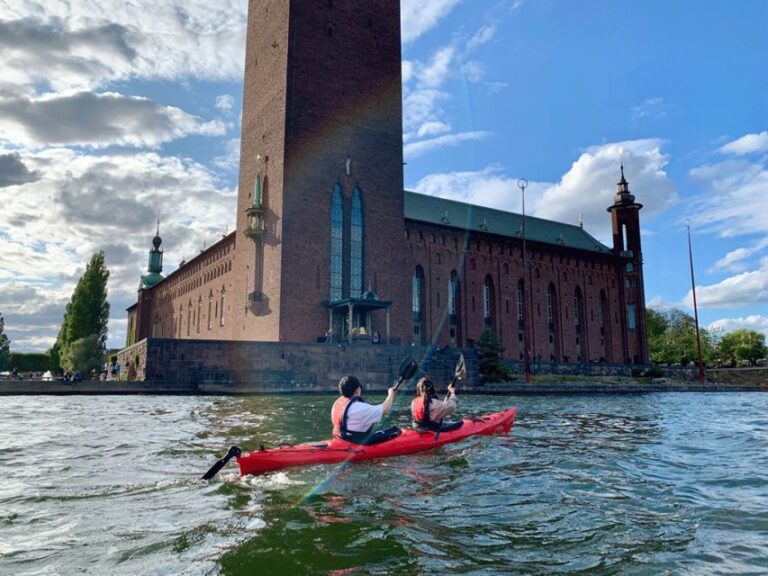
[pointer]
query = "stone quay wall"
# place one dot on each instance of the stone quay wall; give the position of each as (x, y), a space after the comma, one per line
(232, 367)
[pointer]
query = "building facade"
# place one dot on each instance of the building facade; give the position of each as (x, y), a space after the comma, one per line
(328, 245)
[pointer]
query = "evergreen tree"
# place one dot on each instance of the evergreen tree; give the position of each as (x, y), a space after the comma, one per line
(5, 346)
(490, 351)
(87, 313)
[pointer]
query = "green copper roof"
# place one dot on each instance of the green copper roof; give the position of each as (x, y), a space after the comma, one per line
(442, 212)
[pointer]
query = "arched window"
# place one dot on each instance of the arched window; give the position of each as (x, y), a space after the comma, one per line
(337, 243)
(221, 307)
(199, 313)
(189, 317)
(356, 246)
(210, 309)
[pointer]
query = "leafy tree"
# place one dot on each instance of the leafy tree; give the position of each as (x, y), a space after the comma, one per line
(672, 338)
(84, 354)
(5, 346)
(742, 345)
(489, 349)
(87, 313)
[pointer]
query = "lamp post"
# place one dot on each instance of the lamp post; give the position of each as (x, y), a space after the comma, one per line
(522, 183)
(695, 308)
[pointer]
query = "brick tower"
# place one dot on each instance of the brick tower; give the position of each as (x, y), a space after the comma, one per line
(625, 220)
(320, 230)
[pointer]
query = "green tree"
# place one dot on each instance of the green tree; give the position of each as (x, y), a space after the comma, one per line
(742, 345)
(87, 313)
(5, 346)
(490, 351)
(672, 338)
(84, 354)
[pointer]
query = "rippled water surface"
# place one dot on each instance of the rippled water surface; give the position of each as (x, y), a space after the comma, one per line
(647, 484)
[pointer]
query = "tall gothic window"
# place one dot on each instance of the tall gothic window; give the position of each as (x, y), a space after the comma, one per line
(221, 308)
(210, 309)
(520, 296)
(337, 243)
(356, 246)
(453, 287)
(417, 305)
(488, 301)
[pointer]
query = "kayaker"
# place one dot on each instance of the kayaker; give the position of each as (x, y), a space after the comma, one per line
(429, 412)
(353, 418)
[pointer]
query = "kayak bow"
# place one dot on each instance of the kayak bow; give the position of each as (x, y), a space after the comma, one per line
(335, 450)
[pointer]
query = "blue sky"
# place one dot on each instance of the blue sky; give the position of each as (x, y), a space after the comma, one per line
(113, 114)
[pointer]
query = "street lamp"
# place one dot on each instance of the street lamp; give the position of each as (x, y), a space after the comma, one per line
(695, 308)
(522, 183)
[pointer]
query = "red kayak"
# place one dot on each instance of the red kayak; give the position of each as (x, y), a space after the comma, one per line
(335, 451)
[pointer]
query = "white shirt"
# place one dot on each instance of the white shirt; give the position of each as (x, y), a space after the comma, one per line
(361, 416)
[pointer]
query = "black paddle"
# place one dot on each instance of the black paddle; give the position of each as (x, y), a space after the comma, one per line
(460, 373)
(406, 371)
(234, 452)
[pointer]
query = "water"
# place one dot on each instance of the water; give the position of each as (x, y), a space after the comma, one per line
(646, 484)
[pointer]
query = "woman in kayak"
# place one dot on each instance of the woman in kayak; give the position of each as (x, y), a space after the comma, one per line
(353, 418)
(428, 412)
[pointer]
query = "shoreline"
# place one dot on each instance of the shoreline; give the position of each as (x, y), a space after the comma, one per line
(543, 386)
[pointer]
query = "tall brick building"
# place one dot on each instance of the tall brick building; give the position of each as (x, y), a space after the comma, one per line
(327, 240)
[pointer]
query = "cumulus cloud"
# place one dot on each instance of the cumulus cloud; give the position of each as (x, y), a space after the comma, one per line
(85, 203)
(13, 171)
(754, 322)
(83, 45)
(736, 260)
(587, 188)
(89, 119)
(420, 16)
(747, 144)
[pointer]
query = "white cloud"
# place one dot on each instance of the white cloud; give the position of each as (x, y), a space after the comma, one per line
(747, 144)
(650, 108)
(585, 189)
(485, 34)
(85, 203)
(416, 149)
(433, 128)
(733, 196)
(84, 45)
(745, 289)
(734, 260)
(420, 16)
(225, 102)
(754, 322)
(89, 119)
(588, 186)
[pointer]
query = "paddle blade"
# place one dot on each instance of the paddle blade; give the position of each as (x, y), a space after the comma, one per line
(234, 451)
(461, 369)
(408, 368)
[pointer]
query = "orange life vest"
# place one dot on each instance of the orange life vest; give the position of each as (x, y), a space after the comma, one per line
(420, 410)
(339, 416)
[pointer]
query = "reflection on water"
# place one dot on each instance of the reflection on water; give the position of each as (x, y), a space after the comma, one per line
(647, 484)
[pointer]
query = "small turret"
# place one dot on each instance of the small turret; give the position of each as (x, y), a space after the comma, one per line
(155, 265)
